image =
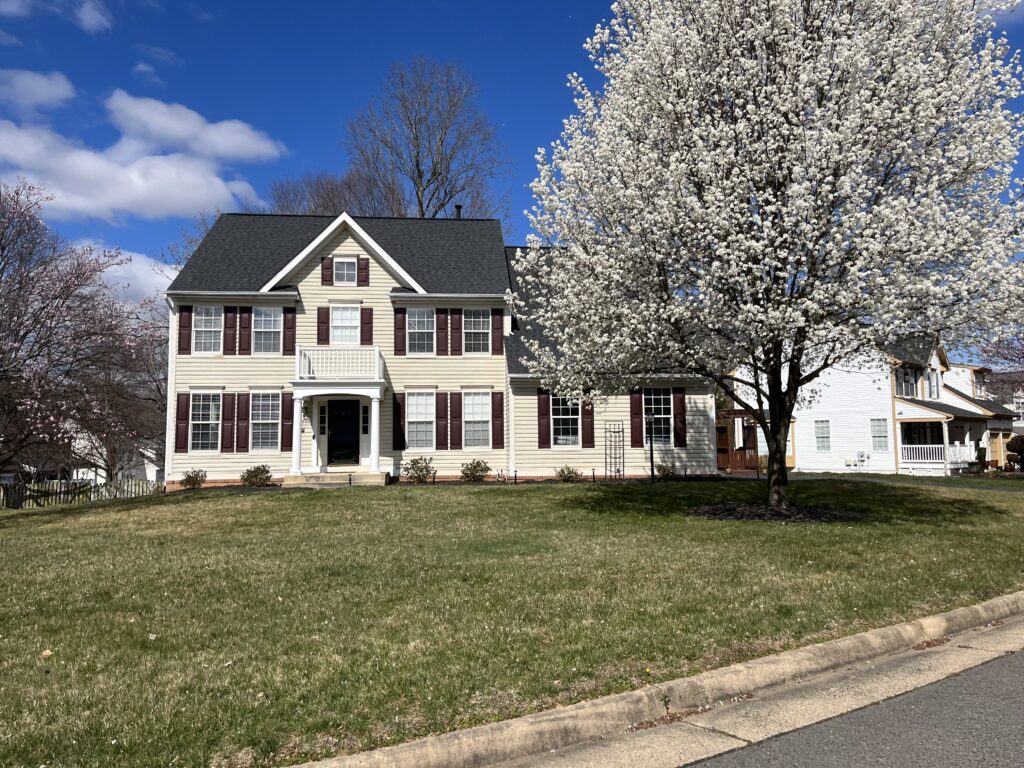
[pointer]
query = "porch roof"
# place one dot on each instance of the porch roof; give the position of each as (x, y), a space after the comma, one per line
(945, 408)
(993, 407)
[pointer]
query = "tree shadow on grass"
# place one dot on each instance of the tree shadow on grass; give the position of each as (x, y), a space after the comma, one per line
(44, 515)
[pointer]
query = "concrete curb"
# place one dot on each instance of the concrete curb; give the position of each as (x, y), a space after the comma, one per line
(533, 734)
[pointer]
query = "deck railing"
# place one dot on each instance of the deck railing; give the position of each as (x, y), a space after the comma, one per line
(336, 363)
(958, 454)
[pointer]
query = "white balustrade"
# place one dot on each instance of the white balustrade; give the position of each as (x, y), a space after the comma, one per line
(340, 363)
(958, 454)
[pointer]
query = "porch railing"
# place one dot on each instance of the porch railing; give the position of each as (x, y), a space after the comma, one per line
(336, 363)
(958, 454)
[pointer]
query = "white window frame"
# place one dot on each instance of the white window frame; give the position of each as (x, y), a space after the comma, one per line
(191, 421)
(355, 270)
(409, 331)
(933, 385)
(486, 331)
(354, 309)
(486, 396)
(253, 422)
(278, 312)
(1018, 406)
(671, 417)
(876, 437)
(217, 308)
(579, 424)
(432, 396)
(818, 436)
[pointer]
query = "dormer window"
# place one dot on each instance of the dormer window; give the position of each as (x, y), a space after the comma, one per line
(345, 271)
(906, 382)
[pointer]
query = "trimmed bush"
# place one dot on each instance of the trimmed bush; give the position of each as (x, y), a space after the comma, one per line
(257, 477)
(193, 479)
(419, 470)
(667, 471)
(568, 474)
(475, 471)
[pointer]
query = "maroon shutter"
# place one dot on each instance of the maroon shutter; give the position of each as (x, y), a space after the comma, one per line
(636, 419)
(362, 271)
(587, 411)
(288, 336)
(227, 423)
(442, 332)
(245, 330)
(399, 330)
(679, 417)
(230, 329)
(287, 421)
(242, 424)
(327, 271)
(398, 422)
(366, 326)
(441, 421)
(456, 421)
(497, 419)
(543, 419)
(497, 331)
(456, 332)
(184, 329)
(323, 326)
(181, 424)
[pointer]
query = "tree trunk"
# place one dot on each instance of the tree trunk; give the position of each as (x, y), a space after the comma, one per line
(780, 414)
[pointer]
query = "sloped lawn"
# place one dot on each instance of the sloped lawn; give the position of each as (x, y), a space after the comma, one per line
(263, 629)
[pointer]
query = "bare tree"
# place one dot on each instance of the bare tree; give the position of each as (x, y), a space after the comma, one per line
(1006, 357)
(425, 146)
(329, 194)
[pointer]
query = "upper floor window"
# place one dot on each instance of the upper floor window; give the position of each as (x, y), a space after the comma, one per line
(420, 420)
(265, 418)
(345, 271)
(565, 421)
(1018, 406)
(207, 326)
(344, 325)
(906, 382)
(476, 330)
(658, 405)
(823, 435)
(934, 379)
(421, 331)
(476, 419)
(266, 329)
(204, 421)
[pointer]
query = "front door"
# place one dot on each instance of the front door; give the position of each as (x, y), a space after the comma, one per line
(342, 432)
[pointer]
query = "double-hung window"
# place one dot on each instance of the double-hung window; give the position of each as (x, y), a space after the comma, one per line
(1018, 406)
(207, 326)
(419, 419)
(345, 271)
(933, 385)
(476, 331)
(421, 331)
(204, 418)
(266, 329)
(823, 436)
(476, 419)
(565, 421)
(906, 382)
(265, 418)
(344, 325)
(879, 434)
(658, 405)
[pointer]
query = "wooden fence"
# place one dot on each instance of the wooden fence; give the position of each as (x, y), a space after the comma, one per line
(54, 493)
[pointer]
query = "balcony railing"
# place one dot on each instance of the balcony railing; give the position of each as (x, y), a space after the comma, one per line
(958, 454)
(339, 363)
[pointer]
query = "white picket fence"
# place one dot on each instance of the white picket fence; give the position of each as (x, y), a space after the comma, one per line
(54, 493)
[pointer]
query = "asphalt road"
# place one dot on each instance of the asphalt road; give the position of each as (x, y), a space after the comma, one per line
(975, 718)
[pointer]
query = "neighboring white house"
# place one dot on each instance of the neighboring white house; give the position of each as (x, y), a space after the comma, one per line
(905, 409)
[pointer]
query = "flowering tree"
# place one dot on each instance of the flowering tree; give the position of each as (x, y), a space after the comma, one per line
(761, 189)
(60, 326)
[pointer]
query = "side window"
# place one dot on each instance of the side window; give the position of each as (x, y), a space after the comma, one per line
(823, 436)
(658, 404)
(266, 329)
(879, 434)
(204, 422)
(476, 419)
(421, 331)
(476, 331)
(565, 421)
(207, 326)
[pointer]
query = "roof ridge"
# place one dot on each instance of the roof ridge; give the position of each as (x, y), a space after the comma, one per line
(269, 214)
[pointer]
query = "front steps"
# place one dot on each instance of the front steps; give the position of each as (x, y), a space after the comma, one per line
(316, 480)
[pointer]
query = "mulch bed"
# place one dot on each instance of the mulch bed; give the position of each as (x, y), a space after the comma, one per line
(759, 512)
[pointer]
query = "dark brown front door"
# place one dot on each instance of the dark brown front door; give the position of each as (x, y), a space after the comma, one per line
(342, 432)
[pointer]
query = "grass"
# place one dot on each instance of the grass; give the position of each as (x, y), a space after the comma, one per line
(239, 629)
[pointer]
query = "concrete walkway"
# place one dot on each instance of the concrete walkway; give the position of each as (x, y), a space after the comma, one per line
(761, 721)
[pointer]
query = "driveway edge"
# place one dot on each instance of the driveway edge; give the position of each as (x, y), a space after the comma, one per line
(565, 726)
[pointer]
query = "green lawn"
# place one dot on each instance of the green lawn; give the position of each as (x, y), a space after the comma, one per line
(262, 629)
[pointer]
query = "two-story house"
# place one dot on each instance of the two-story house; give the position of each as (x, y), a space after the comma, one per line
(331, 347)
(904, 409)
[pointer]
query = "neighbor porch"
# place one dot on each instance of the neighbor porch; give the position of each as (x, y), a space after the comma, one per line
(940, 446)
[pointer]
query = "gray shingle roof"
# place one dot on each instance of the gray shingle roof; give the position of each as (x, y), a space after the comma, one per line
(241, 252)
(989, 405)
(951, 410)
(916, 350)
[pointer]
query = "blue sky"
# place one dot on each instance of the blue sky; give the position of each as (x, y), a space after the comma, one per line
(136, 114)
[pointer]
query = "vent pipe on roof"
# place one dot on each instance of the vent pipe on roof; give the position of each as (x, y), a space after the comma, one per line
(458, 211)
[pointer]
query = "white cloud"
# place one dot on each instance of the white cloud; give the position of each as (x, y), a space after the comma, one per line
(158, 53)
(27, 92)
(17, 9)
(146, 71)
(150, 123)
(93, 16)
(140, 277)
(9, 40)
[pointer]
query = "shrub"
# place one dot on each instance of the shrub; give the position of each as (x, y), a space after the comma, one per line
(419, 470)
(193, 479)
(475, 471)
(257, 477)
(568, 474)
(667, 471)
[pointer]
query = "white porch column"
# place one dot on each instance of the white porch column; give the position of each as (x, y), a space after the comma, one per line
(296, 435)
(375, 434)
(945, 447)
